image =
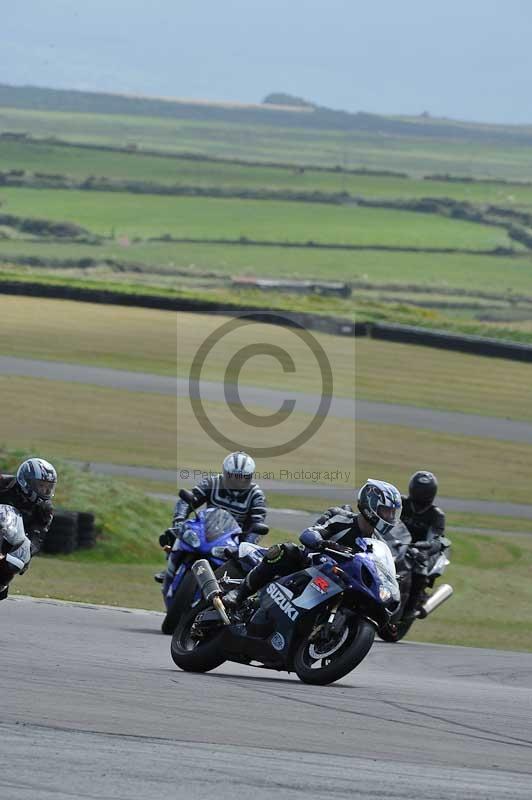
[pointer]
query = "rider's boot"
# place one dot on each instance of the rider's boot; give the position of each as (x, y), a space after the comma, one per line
(418, 595)
(236, 597)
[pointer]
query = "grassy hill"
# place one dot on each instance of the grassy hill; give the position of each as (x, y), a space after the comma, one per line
(317, 137)
(281, 115)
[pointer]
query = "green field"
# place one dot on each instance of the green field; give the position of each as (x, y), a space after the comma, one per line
(435, 271)
(498, 289)
(464, 156)
(80, 163)
(112, 215)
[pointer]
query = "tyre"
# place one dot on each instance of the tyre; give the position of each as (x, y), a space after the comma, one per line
(85, 541)
(181, 602)
(325, 663)
(190, 655)
(85, 521)
(63, 533)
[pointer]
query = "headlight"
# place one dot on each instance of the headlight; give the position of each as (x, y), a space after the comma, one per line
(384, 594)
(191, 538)
(389, 588)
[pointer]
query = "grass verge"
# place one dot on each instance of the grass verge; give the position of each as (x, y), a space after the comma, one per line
(128, 522)
(141, 429)
(162, 342)
(493, 596)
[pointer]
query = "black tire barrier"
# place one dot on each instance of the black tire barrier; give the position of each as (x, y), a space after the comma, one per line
(86, 541)
(69, 531)
(63, 534)
(86, 530)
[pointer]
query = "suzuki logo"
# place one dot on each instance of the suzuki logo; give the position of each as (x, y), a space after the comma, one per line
(280, 600)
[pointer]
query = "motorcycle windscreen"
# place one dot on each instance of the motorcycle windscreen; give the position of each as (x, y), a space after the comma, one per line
(219, 522)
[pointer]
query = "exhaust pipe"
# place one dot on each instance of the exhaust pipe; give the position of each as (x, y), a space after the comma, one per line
(210, 588)
(435, 600)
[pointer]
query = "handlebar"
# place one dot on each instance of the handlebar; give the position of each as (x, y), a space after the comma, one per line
(422, 545)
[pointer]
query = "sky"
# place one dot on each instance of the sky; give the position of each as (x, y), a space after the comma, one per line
(464, 59)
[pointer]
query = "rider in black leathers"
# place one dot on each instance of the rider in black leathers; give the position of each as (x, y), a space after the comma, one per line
(30, 491)
(379, 504)
(234, 491)
(426, 523)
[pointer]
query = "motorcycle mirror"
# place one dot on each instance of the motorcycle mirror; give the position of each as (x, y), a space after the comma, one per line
(311, 539)
(187, 496)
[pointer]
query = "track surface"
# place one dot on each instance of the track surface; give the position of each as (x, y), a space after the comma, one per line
(294, 521)
(92, 707)
(329, 492)
(341, 407)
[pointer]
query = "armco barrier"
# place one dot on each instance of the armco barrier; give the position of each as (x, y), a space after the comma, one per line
(409, 334)
(478, 345)
(317, 322)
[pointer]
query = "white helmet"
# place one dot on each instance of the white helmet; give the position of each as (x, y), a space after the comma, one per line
(237, 473)
(37, 479)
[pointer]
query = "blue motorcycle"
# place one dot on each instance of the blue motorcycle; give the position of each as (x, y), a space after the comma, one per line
(319, 622)
(213, 534)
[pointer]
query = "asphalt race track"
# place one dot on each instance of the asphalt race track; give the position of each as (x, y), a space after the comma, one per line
(330, 492)
(93, 707)
(341, 407)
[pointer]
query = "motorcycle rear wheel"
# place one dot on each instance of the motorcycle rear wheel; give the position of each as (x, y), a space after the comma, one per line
(189, 654)
(338, 663)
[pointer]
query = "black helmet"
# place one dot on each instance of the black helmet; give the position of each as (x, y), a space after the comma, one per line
(237, 473)
(422, 489)
(380, 504)
(37, 480)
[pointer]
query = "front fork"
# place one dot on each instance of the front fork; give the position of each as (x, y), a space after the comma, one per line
(326, 628)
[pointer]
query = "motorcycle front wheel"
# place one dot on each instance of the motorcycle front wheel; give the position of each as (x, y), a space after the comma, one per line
(325, 663)
(191, 654)
(181, 601)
